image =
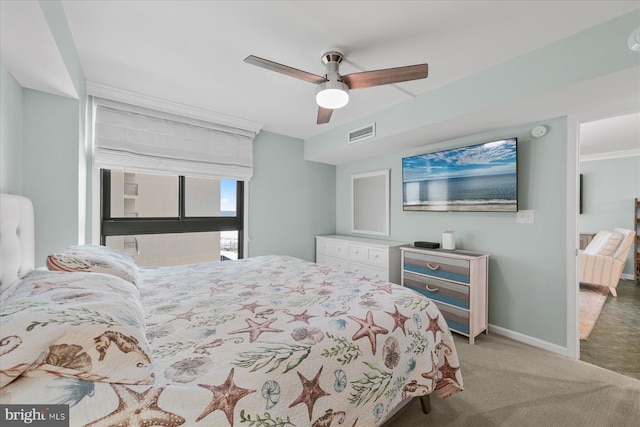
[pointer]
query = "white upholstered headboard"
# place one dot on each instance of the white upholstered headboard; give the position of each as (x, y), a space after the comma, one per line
(17, 238)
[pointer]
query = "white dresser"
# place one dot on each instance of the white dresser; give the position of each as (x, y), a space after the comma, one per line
(456, 281)
(375, 259)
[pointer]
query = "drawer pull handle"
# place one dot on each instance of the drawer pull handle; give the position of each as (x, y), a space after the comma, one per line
(431, 267)
(434, 289)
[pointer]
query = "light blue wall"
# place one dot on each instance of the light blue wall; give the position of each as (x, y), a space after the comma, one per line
(39, 141)
(50, 169)
(10, 133)
(609, 189)
(527, 270)
(57, 21)
(290, 199)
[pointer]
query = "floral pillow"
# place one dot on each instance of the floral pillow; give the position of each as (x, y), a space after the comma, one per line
(95, 259)
(81, 325)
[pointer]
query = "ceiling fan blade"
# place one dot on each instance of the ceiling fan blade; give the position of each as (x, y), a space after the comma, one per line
(324, 114)
(386, 76)
(289, 71)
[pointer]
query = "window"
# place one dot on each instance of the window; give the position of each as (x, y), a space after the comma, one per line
(171, 186)
(169, 219)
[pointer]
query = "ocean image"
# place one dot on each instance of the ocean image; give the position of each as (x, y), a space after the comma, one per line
(479, 177)
(478, 190)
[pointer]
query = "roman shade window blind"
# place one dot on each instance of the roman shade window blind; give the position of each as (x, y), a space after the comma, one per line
(145, 140)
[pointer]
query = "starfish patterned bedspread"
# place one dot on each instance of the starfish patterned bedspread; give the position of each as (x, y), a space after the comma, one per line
(265, 341)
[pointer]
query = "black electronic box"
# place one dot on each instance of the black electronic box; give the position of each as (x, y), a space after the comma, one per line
(429, 245)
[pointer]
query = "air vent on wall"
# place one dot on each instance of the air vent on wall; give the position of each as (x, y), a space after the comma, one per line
(366, 132)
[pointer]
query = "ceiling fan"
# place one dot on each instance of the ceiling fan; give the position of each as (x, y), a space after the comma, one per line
(333, 89)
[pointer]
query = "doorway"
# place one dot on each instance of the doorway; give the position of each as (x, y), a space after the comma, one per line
(609, 168)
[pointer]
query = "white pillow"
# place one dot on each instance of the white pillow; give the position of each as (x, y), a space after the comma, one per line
(598, 243)
(625, 232)
(604, 243)
(612, 245)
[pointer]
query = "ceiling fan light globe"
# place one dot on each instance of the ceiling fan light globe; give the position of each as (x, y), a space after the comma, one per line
(332, 95)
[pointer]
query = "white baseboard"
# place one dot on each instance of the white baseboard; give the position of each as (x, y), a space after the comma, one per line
(526, 339)
(535, 342)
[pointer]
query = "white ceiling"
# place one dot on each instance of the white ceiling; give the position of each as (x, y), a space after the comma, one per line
(191, 52)
(35, 60)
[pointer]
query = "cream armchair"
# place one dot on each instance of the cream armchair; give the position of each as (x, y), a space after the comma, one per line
(602, 261)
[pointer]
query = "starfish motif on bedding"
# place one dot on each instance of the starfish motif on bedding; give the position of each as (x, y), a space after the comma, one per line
(385, 287)
(225, 397)
(251, 307)
(399, 319)
(449, 371)
(300, 289)
(184, 316)
(255, 329)
(302, 317)
(433, 325)
(216, 291)
(311, 392)
(369, 329)
(433, 374)
(325, 283)
(138, 409)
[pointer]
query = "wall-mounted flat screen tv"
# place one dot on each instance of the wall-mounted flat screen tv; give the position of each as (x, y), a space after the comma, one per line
(481, 177)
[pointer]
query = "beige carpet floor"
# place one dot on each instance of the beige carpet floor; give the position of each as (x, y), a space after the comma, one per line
(591, 303)
(512, 384)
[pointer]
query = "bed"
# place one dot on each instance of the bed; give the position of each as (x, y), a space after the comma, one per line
(264, 341)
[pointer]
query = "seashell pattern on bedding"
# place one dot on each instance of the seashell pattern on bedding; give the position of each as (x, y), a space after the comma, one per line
(270, 340)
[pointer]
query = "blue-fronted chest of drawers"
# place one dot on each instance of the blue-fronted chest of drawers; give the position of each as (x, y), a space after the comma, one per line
(455, 280)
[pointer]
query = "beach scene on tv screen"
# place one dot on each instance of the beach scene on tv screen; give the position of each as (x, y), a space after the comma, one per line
(480, 177)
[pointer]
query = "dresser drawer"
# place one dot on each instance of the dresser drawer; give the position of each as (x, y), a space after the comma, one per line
(331, 247)
(368, 271)
(457, 319)
(437, 266)
(368, 255)
(439, 290)
(337, 263)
